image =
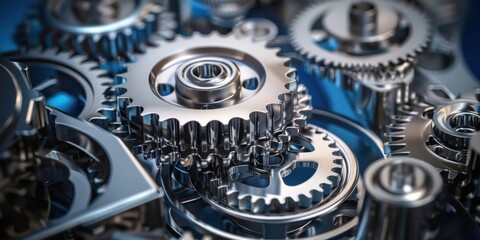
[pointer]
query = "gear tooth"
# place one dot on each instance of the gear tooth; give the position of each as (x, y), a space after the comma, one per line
(395, 147)
(245, 202)
(258, 205)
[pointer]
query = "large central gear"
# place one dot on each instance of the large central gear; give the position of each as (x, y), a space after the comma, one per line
(211, 92)
(360, 34)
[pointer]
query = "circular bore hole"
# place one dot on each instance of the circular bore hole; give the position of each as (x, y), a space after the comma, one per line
(206, 71)
(165, 89)
(341, 219)
(250, 84)
(402, 178)
(438, 149)
(465, 122)
(435, 60)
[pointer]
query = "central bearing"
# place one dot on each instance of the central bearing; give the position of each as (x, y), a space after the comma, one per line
(206, 81)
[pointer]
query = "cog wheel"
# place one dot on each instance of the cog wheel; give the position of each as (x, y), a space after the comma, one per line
(105, 29)
(70, 83)
(346, 34)
(24, 199)
(212, 177)
(437, 135)
(312, 149)
(226, 13)
(210, 93)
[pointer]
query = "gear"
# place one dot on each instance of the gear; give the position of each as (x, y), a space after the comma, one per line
(178, 97)
(24, 199)
(365, 47)
(437, 135)
(346, 34)
(211, 178)
(56, 74)
(100, 29)
(312, 149)
(226, 13)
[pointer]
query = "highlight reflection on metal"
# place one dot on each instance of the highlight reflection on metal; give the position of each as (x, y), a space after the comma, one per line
(239, 119)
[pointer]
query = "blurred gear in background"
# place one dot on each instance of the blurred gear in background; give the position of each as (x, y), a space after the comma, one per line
(239, 119)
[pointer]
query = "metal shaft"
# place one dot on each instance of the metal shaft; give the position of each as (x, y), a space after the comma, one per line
(363, 18)
(403, 197)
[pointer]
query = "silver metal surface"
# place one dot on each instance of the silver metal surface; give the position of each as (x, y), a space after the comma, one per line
(402, 200)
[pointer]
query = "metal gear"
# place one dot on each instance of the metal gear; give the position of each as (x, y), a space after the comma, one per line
(365, 47)
(24, 199)
(53, 71)
(326, 219)
(177, 95)
(312, 149)
(102, 29)
(226, 13)
(437, 135)
(346, 34)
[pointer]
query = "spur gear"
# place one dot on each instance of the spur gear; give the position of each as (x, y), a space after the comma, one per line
(437, 135)
(366, 47)
(311, 151)
(69, 83)
(101, 29)
(24, 199)
(178, 95)
(350, 34)
(210, 179)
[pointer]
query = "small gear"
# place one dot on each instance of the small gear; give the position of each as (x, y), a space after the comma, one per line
(56, 73)
(104, 29)
(226, 13)
(24, 199)
(346, 34)
(210, 93)
(438, 135)
(311, 149)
